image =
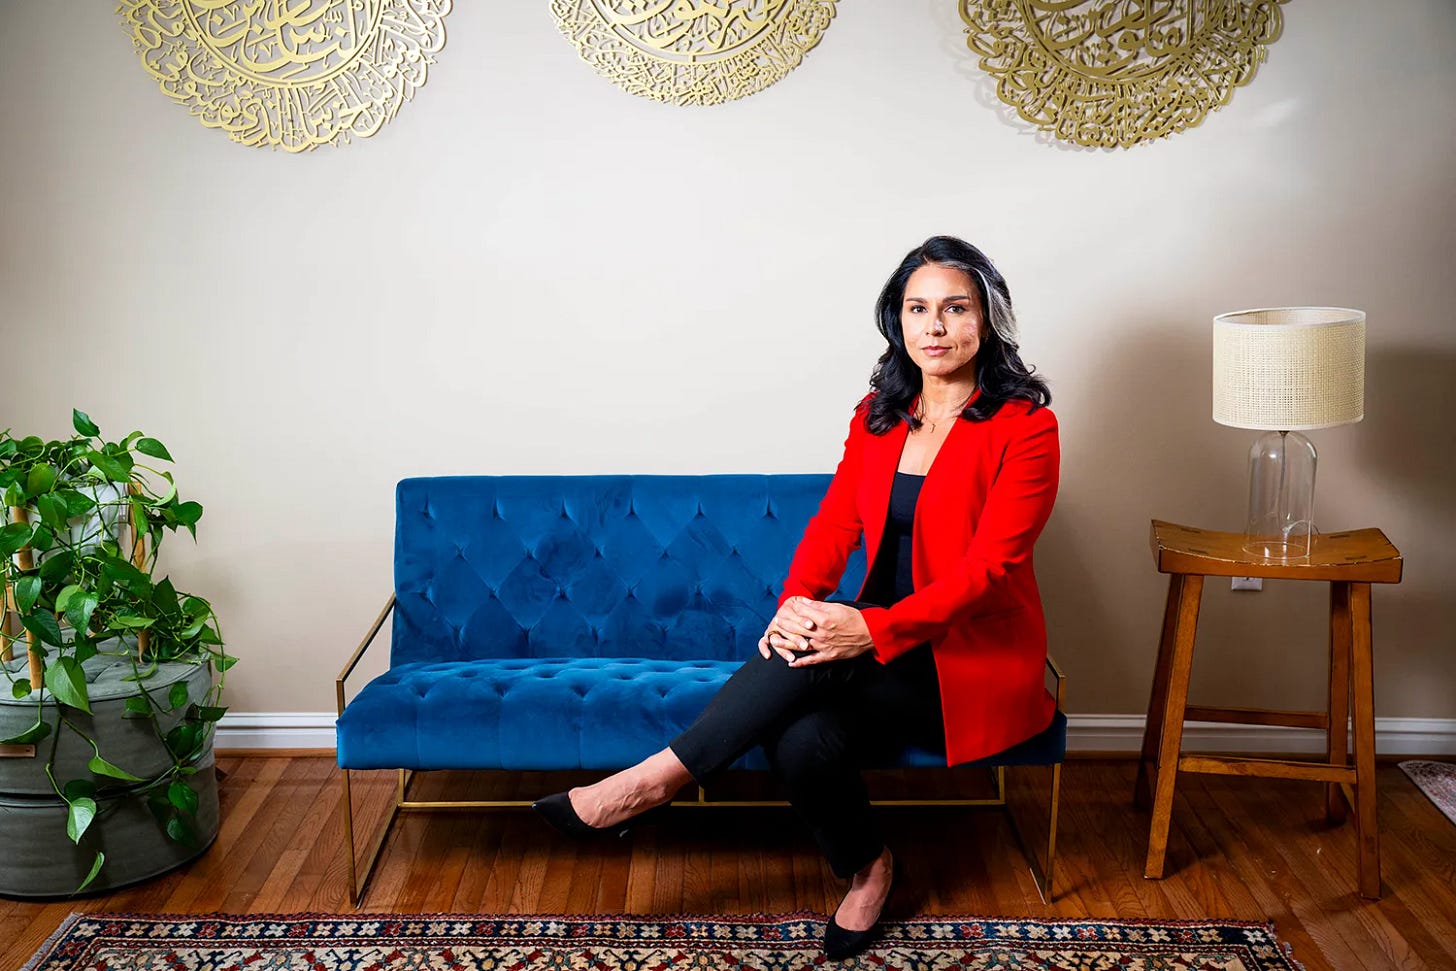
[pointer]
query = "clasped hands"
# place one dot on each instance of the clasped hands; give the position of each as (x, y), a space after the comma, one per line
(827, 631)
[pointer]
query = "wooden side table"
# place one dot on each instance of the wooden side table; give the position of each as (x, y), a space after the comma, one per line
(1351, 561)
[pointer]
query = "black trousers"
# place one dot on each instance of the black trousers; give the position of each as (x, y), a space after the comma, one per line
(819, 725)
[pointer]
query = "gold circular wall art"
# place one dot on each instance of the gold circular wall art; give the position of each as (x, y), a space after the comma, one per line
(693, 52)
(294, 74)
(1105, 73)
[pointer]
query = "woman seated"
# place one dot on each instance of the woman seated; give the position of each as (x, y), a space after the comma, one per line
(949, 471)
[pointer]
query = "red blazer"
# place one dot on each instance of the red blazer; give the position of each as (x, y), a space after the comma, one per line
(984, 500)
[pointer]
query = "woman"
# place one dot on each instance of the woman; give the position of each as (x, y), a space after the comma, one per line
(949, 471)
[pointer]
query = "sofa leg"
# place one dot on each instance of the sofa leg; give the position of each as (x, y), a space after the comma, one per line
(349, 839)
(358, 881)
(1042, 877)
(1048, 894)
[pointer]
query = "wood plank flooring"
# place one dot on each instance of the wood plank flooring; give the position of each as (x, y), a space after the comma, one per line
(1238, 848)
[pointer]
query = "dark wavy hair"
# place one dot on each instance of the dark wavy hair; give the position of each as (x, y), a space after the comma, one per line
(1000, 374)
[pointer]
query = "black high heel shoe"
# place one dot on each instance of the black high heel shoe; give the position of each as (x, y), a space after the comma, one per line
(556, 810)
(840, 944)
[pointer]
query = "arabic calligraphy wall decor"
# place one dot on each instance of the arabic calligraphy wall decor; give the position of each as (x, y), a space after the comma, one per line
(295, 75)
(693, 52)
(1105, 73)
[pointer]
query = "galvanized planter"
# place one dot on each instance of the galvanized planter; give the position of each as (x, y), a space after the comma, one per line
(40, 859)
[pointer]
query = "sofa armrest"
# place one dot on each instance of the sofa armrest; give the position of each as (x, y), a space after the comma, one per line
(1061, 688)
(359, 651)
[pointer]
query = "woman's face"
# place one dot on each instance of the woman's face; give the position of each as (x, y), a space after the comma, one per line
(940, 319)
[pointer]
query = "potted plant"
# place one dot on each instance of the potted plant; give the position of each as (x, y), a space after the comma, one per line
(110, 702)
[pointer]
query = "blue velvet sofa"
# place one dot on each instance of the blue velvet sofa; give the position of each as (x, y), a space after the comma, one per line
(580, 622)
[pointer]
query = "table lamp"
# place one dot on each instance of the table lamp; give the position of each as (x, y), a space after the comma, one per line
(1286, 370)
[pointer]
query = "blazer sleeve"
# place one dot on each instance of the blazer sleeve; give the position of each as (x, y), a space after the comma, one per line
(1017, 507)
(835, 531)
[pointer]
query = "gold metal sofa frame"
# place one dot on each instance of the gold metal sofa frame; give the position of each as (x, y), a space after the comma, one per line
(1041, 873)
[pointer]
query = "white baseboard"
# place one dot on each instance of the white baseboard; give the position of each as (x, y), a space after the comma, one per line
(1085, 733)
(275, 729)
(1393, 736)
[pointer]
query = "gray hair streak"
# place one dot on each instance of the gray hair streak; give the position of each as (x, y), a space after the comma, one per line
(998, 312)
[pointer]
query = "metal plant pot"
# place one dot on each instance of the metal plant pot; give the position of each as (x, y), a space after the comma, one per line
(40, 859)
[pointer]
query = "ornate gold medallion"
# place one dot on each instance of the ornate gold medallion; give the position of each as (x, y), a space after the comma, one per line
(1105, 73)
(693, 52)
(289, 73)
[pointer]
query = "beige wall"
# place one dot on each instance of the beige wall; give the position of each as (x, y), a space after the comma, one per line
(529, 271)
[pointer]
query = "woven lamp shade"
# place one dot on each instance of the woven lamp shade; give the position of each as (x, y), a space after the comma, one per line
(1289, 368)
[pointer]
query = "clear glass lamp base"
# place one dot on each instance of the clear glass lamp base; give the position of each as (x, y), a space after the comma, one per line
(1281, 496)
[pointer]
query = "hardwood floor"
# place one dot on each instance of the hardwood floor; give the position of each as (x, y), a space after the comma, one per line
(1239, 848)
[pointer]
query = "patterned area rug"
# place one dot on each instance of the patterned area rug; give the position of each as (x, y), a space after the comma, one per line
(472, 942)
(1438, 781)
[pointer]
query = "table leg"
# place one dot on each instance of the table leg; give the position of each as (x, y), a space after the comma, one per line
(1171, 736)
(1142, 795)
(1339, 748)
(1367, 833)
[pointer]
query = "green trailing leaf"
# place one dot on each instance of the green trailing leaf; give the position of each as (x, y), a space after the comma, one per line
(224, 661)
(77, 503)
(120, 453)
(84, 650)
(139, 706)
(188, 513)
(41, 477)
(123, 571)
(19, 688)
(110, 466)
(83, 424)
(183, 796)
(100, 766)
(209, 713)
(30, 736)
(169, 494)
(79, 610)
(27, 592)
(53, 510)
(154, 448)
(209, 636)
(138, 507)
(95, 869)
(82, 811)
(13, 536)
(67, 682)
(57, 566)
(177, 695)
(179, 830)
(63, 599)
(181, 740)
(160, 808)
(44, 626)
(131, 622)
(164, 597)
(41, 538)
(142, 675)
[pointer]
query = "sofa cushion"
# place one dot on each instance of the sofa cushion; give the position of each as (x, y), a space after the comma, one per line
(560, 713)
(633, 566)
(526, 713)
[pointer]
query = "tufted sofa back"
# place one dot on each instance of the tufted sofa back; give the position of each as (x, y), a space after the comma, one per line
(652, 566)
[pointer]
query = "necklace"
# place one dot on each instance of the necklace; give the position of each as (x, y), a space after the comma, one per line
(925, 419)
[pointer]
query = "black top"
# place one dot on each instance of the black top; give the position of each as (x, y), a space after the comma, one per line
(890, 578)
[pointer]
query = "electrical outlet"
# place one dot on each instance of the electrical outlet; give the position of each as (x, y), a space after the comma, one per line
(1248, 583)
